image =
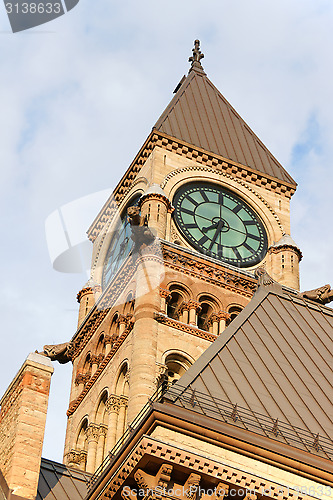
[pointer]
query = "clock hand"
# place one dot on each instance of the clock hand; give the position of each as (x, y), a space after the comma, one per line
(213, 226)
(217, 232)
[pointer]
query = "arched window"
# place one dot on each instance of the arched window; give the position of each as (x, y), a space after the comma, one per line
(203, 316)
(177, 365)
(173, 305)
(114, 328)
(86, 369)
(233, 311)
(101, 413)
(129, 304)
(100, 349)
(81, 440)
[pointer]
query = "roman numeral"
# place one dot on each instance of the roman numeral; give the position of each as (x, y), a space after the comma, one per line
(205, 197)
(203, 240)
(186, 211)
(250, 222)
(254, 237)
(236, 252)
(237, 209)
(191, 200)
(250, 249)
(191, 226)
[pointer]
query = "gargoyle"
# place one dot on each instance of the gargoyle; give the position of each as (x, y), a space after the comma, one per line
(141, 234)
(322, 295)
(263, 277)
(59, 352)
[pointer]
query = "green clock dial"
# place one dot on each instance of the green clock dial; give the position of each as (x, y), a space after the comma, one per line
(220, 224)
(120, 246)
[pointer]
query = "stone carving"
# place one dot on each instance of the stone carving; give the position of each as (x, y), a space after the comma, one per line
(191, 486)
(112, 404)
(141, 234)
(322, 295)
(263, 277)
(163, 476)
(92, 432)
(77, 457)
(59, 352)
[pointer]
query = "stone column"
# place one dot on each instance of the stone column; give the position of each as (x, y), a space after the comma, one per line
(86, 299)
(101, 444)
(150, 268)
(185, 313)
(194, 308)
(223, 317)
(165, 294)
(112, 406)
(214, 323)
(94, 364)
(121, 425)
(122, 321)
(155, 206)
(108, 339)
(92, 433)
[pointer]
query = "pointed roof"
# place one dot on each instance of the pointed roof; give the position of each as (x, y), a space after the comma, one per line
(274, 363)
(200, 115)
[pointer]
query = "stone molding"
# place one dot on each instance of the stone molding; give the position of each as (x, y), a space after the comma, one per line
(283, 248)
(199, 466)
(157, 196)
(208, 161)
(113, 404)
(184, 327)
(212, 273)
(77, 457)
(92, 432)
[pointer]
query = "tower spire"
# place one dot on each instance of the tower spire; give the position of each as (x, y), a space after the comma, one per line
(197, 56)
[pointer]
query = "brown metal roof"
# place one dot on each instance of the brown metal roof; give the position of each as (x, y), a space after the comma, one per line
(58, 482)
(274, 361)
(200, 115)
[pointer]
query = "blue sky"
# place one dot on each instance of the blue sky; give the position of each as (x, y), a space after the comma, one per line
(78, 98)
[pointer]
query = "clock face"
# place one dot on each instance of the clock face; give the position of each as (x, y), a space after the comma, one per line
(120, 246)
(220, 224)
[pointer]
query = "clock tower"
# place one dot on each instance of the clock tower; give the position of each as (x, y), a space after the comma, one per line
(203, 204)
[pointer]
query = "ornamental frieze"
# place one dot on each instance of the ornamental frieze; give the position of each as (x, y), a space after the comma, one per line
(212, 273)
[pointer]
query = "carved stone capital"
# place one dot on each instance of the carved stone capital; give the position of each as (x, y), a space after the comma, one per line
(82, 378)
(123, 401)
(112, 404)
(92, 432)
(103, 430)
(223, 315)
(96, 359)
(122, 319)
(76, 457)
(110, 339)
(165, 293)
(192, 304)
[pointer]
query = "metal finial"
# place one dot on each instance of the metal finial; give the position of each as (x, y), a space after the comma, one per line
(197, 55)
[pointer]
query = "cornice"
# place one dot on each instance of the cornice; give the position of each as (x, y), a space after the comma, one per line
(214, 162)
(192, 330)
(192, 462)
(199, 267)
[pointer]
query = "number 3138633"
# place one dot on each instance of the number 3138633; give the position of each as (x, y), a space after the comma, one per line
(33, 8)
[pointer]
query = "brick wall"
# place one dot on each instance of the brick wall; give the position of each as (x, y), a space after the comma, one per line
(22, 424)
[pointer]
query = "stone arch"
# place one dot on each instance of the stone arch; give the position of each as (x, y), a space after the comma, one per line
(100, 347)
(177, 363)
(233, 310)
(178, 296)
(114, 325)
(174, 180)
(208, 306)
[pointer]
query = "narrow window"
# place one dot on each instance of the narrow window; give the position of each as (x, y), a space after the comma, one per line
(282, 261)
